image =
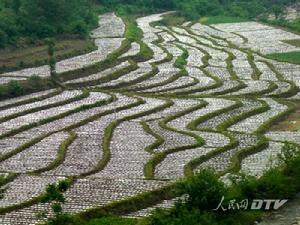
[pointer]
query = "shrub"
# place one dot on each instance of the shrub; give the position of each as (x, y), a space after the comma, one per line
(280, 182)
(63, 185)
(3, 91)
(80, 28)
(14, 88)
(180, 62)
(34, 81)
(291, 161)
(133, 33)
(52, 194)
(109, 220)
(182, 216)
(204, 189)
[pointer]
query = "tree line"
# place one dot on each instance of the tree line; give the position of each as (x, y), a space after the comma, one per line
(37, 19)
(192, 9)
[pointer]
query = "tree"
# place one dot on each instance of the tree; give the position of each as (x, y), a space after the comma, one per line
(37, 19)
(54, 195)
(277, 10)
(52, 60)
(8, 27)
(35, 82)
(44, 18)
(204, 190)
(193, 9)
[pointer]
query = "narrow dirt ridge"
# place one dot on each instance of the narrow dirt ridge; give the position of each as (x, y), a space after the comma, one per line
(206, 95)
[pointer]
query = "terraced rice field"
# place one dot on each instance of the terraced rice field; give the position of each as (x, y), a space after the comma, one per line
(139, 126)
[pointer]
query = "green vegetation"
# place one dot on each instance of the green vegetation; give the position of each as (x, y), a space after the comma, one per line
(17, 88)
(52, 60)
(29, 20)
(2, 182)
(4, 179)
(291, 122)
(193, 9)
(14, 88)
(35, 19)
(221, 19)
(60, 154)
(30, 56)
(54, 195)
(210, 11)
(295, 42)
(291, 57)
(113, 220)
(181, 60)
(279, 183)
(205, 192)
(171, 20)
(293, 25)
(204, 189)
(133, 33)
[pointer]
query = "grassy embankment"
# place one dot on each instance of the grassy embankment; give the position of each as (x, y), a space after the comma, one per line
(291, 122)
(290, 57)
(36, 55)
(206, 190)
(221, 19)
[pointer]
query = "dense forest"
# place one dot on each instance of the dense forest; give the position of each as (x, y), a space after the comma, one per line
(44, 18)
(36, 19)
(195, 8)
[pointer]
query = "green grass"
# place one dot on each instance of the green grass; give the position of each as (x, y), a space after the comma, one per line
(295, 42)
(294, 25)
(170, 20)
(291, 57)
(221, 19)
(291, 25)
(133, 33)
(181, 60)
(113, 220)
(282, 182)
(36, 55)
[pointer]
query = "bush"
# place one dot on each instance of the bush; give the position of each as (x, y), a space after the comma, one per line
(273, 184)
(182, 216)
(3, 39)
(280, 182)
(181, 60)
(14, 88)
(3, 91)
(205, 190)
(133, 33)
(145, 52)
(63, 185)
(80, 28)
(113, 220)
(291, 161)
(52, 194)
(34, 81)
(32, 19)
